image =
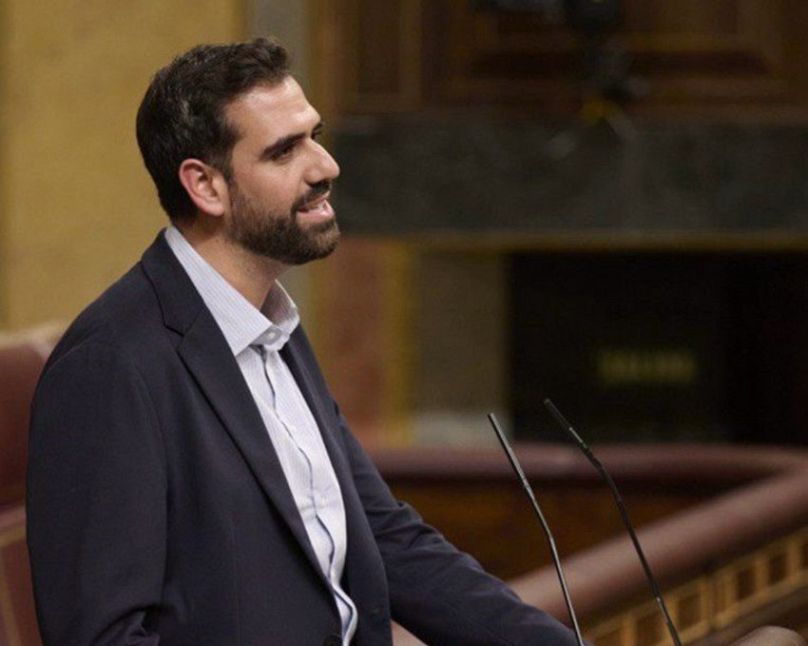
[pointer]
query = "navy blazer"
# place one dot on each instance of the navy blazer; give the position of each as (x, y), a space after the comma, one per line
(158, 512)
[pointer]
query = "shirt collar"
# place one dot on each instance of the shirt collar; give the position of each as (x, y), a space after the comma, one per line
(241, 323)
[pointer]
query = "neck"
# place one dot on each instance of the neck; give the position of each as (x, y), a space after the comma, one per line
(251, 275)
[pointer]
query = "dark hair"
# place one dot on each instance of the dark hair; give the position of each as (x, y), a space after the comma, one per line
(182, 114)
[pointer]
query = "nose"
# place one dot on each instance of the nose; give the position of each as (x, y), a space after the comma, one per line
(324, 166)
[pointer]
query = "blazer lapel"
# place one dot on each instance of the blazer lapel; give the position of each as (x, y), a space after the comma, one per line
(317, 402)
(208, 358)
(363, 564)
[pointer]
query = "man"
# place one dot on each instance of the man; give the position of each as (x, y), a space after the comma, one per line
(191, 480)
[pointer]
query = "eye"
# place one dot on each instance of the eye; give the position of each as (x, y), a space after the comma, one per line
(284, 151)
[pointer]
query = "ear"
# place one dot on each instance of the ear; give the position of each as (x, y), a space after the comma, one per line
(205, 185)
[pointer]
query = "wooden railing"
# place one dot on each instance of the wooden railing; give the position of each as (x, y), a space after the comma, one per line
(724, 565)
(728, 562)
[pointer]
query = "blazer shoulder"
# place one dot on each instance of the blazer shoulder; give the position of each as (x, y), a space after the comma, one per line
(126, 318)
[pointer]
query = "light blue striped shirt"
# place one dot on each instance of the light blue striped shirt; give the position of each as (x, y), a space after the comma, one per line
(255, 338)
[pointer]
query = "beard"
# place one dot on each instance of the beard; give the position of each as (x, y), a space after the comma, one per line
(278, 235)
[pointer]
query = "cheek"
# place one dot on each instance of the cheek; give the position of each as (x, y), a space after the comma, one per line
(274, 190)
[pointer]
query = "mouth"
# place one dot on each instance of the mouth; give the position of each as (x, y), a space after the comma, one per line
(318, 209)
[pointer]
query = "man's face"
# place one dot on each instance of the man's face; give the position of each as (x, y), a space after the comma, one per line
(280, 176)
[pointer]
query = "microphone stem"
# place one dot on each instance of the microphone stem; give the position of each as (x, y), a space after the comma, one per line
(618, 499)
(651, 580)
(550, 540)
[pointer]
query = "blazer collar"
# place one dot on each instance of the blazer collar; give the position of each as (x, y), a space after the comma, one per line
(179, 300)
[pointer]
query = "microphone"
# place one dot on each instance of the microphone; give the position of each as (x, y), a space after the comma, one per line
(529, 491)
(562, 421)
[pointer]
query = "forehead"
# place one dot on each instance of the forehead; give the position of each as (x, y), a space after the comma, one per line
(268, 112)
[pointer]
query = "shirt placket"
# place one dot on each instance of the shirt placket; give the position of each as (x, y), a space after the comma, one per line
(322, 486)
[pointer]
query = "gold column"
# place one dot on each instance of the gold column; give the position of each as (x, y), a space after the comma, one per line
(76, 205)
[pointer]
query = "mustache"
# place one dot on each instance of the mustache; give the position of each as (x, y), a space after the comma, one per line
(317, 191)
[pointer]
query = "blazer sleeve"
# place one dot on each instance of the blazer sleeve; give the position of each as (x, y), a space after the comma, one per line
(96, 501)
(442, 595)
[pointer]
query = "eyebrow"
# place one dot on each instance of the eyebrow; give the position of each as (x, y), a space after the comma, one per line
(284, 142)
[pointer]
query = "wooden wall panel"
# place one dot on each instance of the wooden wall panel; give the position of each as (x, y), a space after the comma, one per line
(694, 55)
(381, 45)
(488, 57)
